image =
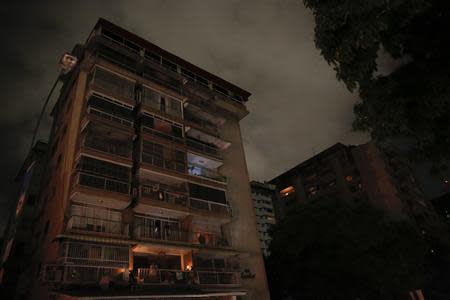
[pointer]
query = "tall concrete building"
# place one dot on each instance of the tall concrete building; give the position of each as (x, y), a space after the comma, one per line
(357, 173)
(20, 236)
(146, 189)
(263, 195)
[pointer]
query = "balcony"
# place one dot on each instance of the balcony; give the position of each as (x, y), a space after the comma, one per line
(208, 240)
(110, 110)
(96, 225)
(200, 123)
(203, 148)
(113, 84)
(165, 136)
(104, 139)
(102, 183)
(162, 128)
(84, 275)
(197, 170)
(209, 206)
(161, 163)
(164, 276)
(88, 275)
(164, 196)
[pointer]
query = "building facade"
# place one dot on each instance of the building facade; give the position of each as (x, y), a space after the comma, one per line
(263, 195)
(362, 172)
(146, 188)
(20, 237)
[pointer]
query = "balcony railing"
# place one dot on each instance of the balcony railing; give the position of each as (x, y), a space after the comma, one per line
(214, 207)
(206, 173)
(103, 183)
(89, 275)
(164, 276)
(203, 148)
(84, 274)
(84, 223)
(108, 116)
(162, 163)
(175, 139)
(111, 146)
(164, 196)
(114, 83)
(151, 233)
(190, 117)
(209, 240)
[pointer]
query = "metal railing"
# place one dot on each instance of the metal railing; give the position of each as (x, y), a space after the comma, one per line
(209, 240)
(162, 163)
(206, 173)
(102, 183)
(165, 276)
(203, 148)
(76, 253)
(111, 146)
(97, 225)
(150, 233)
(215, 207)
(190, 117)
(114, 83)
(84, 274)
(164, 196)
(94, 111)
(175, 139)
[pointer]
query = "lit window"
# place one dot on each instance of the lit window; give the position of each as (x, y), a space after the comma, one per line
(287, 191)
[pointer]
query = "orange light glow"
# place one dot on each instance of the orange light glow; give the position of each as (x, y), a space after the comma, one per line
(287, 191)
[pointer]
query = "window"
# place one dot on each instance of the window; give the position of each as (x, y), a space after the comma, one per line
(169, 65)
(173, 107)
(151, 98)
(206, 193)
(287, 191)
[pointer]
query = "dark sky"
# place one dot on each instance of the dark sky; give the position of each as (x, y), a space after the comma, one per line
(297, 109)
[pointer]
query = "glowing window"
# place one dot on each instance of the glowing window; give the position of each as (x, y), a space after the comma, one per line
(287, 191)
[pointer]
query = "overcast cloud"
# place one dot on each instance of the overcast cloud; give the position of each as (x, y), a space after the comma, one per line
(297, 109)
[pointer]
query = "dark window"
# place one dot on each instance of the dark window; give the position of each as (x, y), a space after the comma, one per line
(206, 193)
(117, 58)
(201, 80)
(103, 168)
(220, 90)
(111, 108)
(154, 57)
(188, 74)
(169, 65)
(148, 121)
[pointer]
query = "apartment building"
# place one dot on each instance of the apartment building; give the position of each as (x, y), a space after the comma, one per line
(20, 236)
(362, 172)
(146, 187)
(263, 195)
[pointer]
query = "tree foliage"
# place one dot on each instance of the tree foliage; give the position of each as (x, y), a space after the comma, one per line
(411, 101)
(331, 249)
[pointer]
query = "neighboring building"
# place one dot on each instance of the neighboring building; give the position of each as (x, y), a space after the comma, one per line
(20, 237)
(263, 195)
(360, 172)
(146, 179)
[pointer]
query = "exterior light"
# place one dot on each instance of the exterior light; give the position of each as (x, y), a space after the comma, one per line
(349, 178)
(188, 268)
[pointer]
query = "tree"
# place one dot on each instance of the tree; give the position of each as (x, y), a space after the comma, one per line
(332, 249)
(413, 100)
